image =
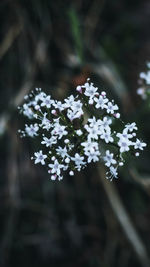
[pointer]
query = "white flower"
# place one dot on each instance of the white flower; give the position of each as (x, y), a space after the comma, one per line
(111, 108)
(92, 155)
(101, 102)
(145, 76)
(39, 157)
(58, 105)
(113, 173)
(78, 114)
(142, 92)
(90, 91)
(69, 101)
(40, 97)
(62, 152)
(74, 137)
(124, 134)
(124, 144)
(139, 145)
(74, 107)
(47, 101)
(78, 160)
(70, 114)
(131, 126)
(109, 158)
(59, 130)
(92, 131)
(73, 114)
(55, 167)
(93, 121)
(105, 122)
(46, 124)
(77, 105)
(27, 111)
(89, 145)
(49, 141)
(32, 129)
(106, 135)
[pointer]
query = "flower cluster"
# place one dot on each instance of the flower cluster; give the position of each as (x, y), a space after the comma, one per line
(144, 81)
(78, 131)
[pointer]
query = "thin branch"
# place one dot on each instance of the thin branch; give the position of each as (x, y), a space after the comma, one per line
(124, 219)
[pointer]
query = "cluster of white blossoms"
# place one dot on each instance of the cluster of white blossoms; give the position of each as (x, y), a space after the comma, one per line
(78, 131)
(144, 81)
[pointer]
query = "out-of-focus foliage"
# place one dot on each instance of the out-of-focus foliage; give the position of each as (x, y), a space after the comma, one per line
(57, 45)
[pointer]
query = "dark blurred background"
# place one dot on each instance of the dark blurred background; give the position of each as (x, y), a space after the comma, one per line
(83, 220)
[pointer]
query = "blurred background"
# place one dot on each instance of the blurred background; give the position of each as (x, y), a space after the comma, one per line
(83, 220)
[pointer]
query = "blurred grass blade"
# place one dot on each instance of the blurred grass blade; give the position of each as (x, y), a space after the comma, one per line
(106, 69)
(76, 33)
